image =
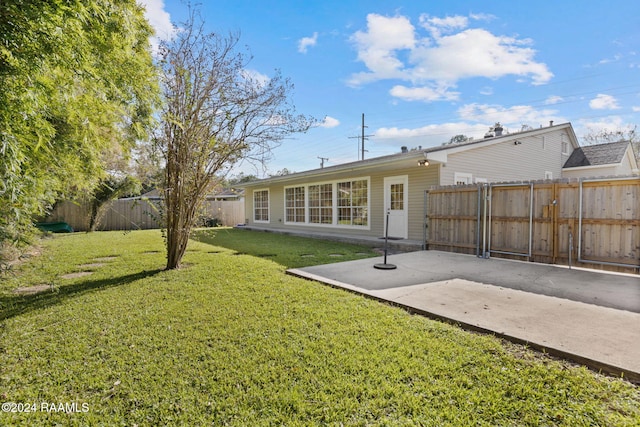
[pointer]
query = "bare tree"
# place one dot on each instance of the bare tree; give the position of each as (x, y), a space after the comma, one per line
(605, 135)
(216, 113)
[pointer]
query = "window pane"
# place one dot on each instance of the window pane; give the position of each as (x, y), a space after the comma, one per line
(321, 204)
(294, 203)
(261, 205)
(353, 203)
(397, 197)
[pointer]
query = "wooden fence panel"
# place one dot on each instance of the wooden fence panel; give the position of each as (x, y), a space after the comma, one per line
(229, 213)
(596, 222)
(453, 219)
(611, 221)
(544, 217)
(73, 213)
(130, 214)
(510, 207)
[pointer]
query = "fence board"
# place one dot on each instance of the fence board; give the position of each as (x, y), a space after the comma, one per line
(129, 214)
(606, 210)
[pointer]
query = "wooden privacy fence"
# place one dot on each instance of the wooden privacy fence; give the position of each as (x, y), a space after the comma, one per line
(134, 214)
(591, 223)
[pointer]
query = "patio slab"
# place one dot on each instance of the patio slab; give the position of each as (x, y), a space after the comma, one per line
(586, 316)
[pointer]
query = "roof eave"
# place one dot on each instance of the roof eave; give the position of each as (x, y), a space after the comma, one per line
(352, 166)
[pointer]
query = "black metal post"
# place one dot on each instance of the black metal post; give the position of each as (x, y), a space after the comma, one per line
(385, 266)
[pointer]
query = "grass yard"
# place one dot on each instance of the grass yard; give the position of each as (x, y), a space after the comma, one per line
(288, 251)
(231, 340)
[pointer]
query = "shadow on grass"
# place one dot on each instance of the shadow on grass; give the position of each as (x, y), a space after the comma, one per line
(14, 305)
(286, 250)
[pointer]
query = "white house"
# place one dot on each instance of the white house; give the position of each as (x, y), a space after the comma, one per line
(612, 159)
(353, 199)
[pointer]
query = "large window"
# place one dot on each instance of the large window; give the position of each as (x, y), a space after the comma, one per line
(294, 204)
(353, 203)
(338, 203)
(321, 204)
(261, 206)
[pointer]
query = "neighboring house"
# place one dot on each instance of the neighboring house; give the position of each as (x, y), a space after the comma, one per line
(612, 159)
(353, 199)
(229, 195)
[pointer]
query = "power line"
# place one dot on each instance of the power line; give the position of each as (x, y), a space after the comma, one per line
(362, 138)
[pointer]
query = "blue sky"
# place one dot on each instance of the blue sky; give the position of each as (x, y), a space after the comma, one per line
(424, 71)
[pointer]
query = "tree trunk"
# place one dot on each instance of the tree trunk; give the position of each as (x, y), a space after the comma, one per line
(181, 202)
(215, 115)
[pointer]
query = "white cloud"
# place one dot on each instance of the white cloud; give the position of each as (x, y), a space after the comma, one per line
(604, 102)
(436, 26)
(392, 48)
(487, 90)
(306, 42)
(255, 76)
(329, 122)
(160, 20)
(482, 16)
(613, 123)
(428, 136)
(511, 117)
(609, 123)
(474, 121)
(615, 58)
(378, 45)
(635, 109)
(553, 99)
(449, 23)
(477, 53)
(423, 93)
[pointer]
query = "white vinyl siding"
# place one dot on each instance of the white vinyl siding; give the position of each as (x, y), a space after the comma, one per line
(461, 178)
(322, 202)
(506, 161)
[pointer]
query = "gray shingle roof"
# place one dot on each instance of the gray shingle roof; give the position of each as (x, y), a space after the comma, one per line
(597, 155)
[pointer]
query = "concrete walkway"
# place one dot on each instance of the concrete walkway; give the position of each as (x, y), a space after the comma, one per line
(585, 316)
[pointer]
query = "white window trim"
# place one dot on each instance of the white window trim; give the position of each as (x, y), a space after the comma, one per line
(334, 207)
(564, 145)
(308, 209)
(404, 179)
(268, 206)
(460, 176)
(306, 204)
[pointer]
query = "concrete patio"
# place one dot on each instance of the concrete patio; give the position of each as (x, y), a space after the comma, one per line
(585, 316)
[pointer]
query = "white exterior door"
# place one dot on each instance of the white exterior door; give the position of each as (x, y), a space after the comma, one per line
(395, 202)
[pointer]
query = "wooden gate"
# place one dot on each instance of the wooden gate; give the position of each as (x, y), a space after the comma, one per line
(592, 223)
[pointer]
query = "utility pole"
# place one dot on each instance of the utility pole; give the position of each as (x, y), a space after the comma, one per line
(362, 138)
(322, 160)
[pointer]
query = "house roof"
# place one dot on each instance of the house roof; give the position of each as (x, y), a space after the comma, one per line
(597, 155)
(230, 193)
(435, 154)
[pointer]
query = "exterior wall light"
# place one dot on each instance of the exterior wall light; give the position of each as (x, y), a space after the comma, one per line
(424, 162)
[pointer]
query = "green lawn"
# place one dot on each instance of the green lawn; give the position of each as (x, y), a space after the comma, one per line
(231, 340)
(288, 251)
